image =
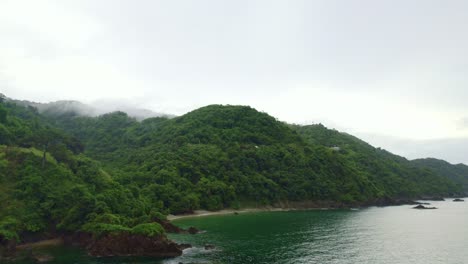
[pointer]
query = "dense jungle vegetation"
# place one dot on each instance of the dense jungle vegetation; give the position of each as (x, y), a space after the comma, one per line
(62, 172)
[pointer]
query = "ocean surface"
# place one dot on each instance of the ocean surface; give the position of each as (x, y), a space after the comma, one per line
(385, 235)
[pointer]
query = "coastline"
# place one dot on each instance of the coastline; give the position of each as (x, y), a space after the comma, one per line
(41, 243)
(203, 213)
(277, 207)
(305, 205)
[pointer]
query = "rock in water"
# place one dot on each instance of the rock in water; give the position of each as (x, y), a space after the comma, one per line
(209, 247)
(423, 207)
(192, 230)
(184, 246)
(124, 244)
(43, 258)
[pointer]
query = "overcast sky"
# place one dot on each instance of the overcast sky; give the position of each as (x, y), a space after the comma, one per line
(394, 72)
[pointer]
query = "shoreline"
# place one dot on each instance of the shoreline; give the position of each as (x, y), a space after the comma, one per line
(41, 243)
(203, 213)
(307, 205)
(277, 207)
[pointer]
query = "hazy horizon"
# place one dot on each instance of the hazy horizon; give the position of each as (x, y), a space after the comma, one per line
(392, 73)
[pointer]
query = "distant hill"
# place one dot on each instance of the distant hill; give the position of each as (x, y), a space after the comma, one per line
(457, 173)
(76, 108)
(380, 164)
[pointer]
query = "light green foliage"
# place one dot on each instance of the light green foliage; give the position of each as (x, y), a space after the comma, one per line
(113, 225)
(148, 229)
(8, 228)
(99, 229)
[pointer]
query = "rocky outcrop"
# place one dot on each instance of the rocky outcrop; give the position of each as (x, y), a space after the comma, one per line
(387, 201)
(458, 200)
(423, 207)
(171, 228)
(192, 230)
(125, 244)
(7, 248)
(209, 247)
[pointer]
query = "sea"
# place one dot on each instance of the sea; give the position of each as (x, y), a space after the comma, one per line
(375, 235)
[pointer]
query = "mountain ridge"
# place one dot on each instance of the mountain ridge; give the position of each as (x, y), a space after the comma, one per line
(112, 173)
(77, 108)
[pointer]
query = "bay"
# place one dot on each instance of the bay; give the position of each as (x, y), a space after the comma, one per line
(374, 235)
(377, 235)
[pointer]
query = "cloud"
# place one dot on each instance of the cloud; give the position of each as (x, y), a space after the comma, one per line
(462, 124)
(450, 149)
(393, 68)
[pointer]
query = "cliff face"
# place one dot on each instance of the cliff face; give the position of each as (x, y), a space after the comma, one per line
(124, 244)
(7, 248)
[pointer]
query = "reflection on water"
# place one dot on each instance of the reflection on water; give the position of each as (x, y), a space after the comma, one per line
(374, 235)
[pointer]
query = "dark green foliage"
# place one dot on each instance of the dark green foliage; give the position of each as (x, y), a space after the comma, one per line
(46, 185)
(218, 156)
(146, 229)
(393, 175)
(111, 173)
(3, 114)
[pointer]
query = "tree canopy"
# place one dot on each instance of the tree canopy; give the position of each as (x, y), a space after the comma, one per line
(66, 172)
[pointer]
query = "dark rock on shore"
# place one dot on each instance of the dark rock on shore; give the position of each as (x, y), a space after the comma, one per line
(124, 244)
(423, 207)
(7, 248)
(458, 200)
(387, 201)
(171, 228)
(184, 246)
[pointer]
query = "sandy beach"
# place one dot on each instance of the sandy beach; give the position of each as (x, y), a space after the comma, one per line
(42, 243)
(201, 213)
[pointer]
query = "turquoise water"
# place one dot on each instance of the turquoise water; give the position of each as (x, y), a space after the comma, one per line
(387, 235)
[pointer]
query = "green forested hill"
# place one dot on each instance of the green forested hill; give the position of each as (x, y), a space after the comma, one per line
(457, 173)
(62, 173)
(219, 156)
(47, 186)
(395, 174)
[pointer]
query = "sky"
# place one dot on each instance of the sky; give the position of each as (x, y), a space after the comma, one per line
(392, 72)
